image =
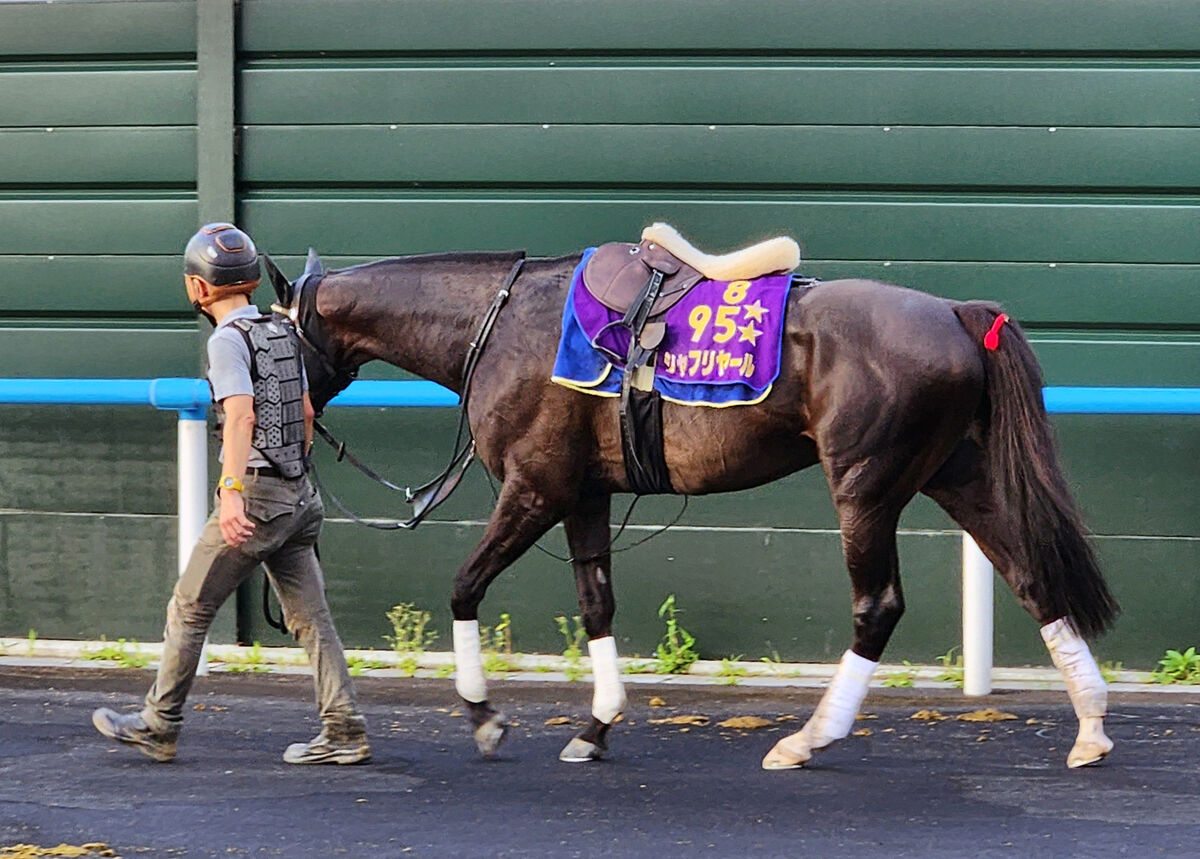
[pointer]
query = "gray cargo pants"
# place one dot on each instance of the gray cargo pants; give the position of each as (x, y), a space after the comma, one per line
(287, 516)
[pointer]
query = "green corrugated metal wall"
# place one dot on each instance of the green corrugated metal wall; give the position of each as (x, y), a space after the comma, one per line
(1040, 154)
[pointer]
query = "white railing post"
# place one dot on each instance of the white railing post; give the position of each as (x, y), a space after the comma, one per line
(193, 489)
(977, 610)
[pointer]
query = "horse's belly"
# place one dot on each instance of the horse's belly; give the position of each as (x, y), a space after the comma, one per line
(732, 452)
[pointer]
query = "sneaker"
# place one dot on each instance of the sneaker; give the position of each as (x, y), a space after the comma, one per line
(321, 750)
(132, 730)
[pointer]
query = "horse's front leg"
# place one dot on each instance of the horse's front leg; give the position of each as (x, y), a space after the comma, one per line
(522, 514)
(869, 541)
(588, 537)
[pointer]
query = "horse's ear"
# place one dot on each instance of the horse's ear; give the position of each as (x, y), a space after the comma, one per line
(283, 288)
(313, 264)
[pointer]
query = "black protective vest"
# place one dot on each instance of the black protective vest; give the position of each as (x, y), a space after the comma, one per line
(276, 371)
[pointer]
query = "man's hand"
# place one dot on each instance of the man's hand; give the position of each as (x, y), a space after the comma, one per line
(235, 527)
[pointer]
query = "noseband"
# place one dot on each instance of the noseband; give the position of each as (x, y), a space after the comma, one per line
(305, 321)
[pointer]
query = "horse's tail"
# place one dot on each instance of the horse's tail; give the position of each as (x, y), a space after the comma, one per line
(1055, 563)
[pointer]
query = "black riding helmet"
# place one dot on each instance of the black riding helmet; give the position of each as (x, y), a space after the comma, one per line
(222, 255)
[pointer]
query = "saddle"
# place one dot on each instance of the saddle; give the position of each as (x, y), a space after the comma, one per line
(643, 281)
(618, 271)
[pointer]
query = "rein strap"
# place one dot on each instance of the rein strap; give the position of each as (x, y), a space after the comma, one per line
(428, 496)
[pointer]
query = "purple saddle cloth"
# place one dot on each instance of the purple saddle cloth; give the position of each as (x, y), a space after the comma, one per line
(722, 346)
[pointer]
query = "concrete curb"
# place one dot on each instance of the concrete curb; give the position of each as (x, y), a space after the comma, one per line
(533, 667)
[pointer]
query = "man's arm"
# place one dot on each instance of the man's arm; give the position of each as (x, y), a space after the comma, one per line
(310, 415)
(236, 437)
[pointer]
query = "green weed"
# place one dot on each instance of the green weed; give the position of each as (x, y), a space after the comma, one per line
(359, 664)
(1110, 670)
(410, 634)
(254, 661)
(640, 668)
(118, 653)
(1176, 667)
(677, 651)
(573, 651)
(901, 679)
(952, 668)
(32, 640)
(497, 645)
(730, 671)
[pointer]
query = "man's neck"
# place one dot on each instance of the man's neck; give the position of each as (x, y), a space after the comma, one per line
(221, 309)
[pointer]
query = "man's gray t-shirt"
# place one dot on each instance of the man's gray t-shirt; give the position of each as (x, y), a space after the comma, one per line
(229, 368)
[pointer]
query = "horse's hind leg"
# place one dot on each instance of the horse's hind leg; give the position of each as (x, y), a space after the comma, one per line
(523, 513)
(869, 542)
(962, 491)
(588, 531)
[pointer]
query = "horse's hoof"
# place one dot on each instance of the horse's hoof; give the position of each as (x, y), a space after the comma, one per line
(787, 757)
(1088, 752)
(580, 751)
(490, 734)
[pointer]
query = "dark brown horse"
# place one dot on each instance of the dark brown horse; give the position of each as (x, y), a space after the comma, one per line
(890, 390)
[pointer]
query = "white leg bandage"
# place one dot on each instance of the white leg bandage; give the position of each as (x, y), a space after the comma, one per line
(834, 716)
(468, 662)
(1085, 685)
(608, 697)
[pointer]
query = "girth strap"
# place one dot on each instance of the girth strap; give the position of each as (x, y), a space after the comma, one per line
(640, 405)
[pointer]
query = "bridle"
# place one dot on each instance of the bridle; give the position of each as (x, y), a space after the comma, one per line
(428, 496)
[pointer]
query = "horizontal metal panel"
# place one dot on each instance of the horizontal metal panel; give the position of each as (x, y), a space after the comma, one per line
(88, 459)
(98, 156)
(111, 27)
(847, 227)
(725, 155)
(725, 93)
(115, 284)
(1047, 294)
(782, 26)
(1094, 359)
(1040, 293)
(148, 224)
(31, 352)
(85, 577)
(133, 95)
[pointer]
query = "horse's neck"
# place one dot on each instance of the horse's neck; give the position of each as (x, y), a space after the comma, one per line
(419, 315)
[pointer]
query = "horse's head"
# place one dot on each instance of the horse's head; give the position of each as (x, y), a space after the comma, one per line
(328, 368)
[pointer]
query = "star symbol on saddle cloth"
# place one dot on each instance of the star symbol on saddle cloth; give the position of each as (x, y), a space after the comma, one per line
(755, 312)
(750, 333)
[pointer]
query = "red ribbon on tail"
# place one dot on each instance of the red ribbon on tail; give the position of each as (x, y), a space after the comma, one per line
(991, 340)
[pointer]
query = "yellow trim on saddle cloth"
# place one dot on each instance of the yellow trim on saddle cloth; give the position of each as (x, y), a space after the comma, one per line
(586, 387)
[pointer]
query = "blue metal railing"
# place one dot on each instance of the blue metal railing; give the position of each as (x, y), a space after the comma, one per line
(191, 396)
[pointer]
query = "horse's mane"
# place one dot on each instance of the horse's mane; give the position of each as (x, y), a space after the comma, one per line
(446, 257)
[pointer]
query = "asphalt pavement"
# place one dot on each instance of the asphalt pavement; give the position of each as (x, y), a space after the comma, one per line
(900, 787)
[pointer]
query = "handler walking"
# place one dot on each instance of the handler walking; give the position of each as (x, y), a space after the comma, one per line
(266, 512)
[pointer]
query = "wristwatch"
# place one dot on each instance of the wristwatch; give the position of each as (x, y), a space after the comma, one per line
(229, 482)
